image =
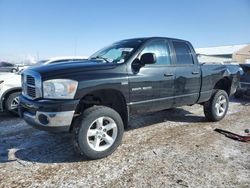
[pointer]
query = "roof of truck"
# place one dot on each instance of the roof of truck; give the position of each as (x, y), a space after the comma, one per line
(149, 38)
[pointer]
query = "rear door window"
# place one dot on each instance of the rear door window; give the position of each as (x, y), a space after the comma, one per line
(183, 53)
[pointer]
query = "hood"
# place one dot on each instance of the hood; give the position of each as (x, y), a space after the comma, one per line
(70, 67)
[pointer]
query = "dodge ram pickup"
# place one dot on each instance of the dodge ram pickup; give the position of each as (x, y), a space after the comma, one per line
(93, 100)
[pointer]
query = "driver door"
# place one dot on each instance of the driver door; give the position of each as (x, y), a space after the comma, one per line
(151, 88)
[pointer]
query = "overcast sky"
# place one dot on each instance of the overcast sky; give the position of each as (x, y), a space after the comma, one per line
(45, 28)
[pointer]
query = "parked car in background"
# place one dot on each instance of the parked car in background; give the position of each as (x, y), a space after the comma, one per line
(10, 84)
(10, 89)
(8, 67)
(244, 85)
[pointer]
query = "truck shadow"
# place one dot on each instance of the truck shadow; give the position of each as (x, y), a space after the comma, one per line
(7, 116)
(40, 147)
(43, 147)
(177, 115)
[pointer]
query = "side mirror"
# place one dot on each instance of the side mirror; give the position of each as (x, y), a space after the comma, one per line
(148, 58)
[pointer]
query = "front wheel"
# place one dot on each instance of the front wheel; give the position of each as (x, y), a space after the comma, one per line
(216, 108)
(98, 132)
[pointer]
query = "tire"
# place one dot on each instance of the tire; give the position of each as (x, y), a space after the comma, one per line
(98, 143)
(13, 70)
(213, 108)
(12, 102)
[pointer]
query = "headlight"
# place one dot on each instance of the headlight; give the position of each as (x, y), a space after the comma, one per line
(1, 81)
(59, 89)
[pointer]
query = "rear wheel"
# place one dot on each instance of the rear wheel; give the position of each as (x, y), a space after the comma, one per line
(216, 108)
(98, 132)
(11, 103)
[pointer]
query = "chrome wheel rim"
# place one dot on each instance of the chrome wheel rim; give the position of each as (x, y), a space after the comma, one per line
(102, 134)
(221, 105)
(14, 103)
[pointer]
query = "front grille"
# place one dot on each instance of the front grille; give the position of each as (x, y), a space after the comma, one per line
(31, 92)
(31, 83)
(30, 80)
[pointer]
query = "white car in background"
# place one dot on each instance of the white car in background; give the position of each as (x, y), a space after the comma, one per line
(10, 89)
(10, 83)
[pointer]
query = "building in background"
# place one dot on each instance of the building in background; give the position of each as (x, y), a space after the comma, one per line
(224, 54)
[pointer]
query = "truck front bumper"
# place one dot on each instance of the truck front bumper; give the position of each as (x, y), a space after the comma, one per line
(48, 115)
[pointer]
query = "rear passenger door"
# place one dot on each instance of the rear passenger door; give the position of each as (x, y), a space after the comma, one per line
(187, 74)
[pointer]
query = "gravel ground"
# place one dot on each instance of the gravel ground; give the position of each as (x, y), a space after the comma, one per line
(172, 148)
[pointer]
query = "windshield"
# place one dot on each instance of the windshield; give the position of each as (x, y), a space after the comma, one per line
(117, 52)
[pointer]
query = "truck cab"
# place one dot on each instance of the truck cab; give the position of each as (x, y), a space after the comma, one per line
(175, 76)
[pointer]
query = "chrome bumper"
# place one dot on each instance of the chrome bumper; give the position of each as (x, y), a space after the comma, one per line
(50, 121)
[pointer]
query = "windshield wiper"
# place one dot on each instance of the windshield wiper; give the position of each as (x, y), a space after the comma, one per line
(102, 58)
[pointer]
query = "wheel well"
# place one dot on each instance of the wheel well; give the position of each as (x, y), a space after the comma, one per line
(7, 94)
(106, 97)
(223, 84)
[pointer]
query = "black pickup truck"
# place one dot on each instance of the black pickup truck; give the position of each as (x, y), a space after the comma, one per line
(94, 99)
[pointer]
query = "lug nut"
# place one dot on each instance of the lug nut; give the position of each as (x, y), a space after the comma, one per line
(103, 135)
(104, 130)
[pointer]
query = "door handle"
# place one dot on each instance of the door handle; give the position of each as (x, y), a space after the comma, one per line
(195, 72)
(168, 74)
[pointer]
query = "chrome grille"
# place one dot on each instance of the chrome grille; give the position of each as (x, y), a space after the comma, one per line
(30, 80)
(31, 83)
(31, 92)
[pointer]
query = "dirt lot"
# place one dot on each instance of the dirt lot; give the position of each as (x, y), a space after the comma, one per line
(173, 148)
